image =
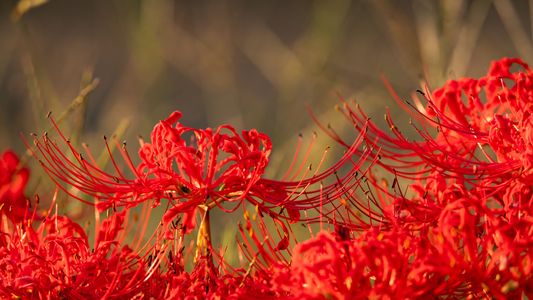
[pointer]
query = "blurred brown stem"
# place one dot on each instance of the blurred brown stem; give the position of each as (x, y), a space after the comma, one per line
(203, 239)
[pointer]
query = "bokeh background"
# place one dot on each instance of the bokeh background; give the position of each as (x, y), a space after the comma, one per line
(253, 64)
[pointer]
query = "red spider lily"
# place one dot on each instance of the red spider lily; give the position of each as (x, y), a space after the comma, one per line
(469, 200)
(375, 265)
(481, 137)
(482, 251)
(197, 168)
(459, 258)
(13, 180)
(51, 258)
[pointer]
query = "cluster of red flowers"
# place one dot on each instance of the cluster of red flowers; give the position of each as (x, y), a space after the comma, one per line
(450, 215)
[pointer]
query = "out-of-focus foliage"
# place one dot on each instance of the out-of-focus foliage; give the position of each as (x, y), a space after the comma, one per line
(25, 5)
(251, 64)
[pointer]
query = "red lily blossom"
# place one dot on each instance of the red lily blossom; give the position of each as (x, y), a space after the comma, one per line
(483, 128)
(197, 168)
(13, 180)
(469, 190)
(471, 253)
(481, 250)
(51, 258)
(376, 265)
(483, 138)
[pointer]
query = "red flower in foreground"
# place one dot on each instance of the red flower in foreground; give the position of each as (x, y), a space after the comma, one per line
(376, 265)
(211, 168)
(469, 199)
(483, 129)
(26, 270)
(13, 180)
(195, 168)
(199, 170)
(52, 258)
(474, 132)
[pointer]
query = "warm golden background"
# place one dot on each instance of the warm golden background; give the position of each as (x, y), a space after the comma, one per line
(248, 63)
(253, 64)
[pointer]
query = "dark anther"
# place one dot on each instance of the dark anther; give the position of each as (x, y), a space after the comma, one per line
(184, 189)
(343, 232)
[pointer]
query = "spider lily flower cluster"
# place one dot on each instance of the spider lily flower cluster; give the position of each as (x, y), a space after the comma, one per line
(455, 219)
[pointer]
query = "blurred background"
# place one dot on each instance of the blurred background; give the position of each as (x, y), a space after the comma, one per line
(253, 64)
(113, 66)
